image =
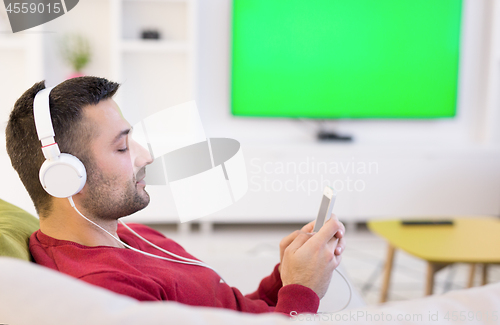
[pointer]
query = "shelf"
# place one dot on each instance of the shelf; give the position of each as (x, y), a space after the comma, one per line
(154, 46)
(11, 43)
(169, 18)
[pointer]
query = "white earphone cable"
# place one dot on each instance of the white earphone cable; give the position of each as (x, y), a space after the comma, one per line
(350, 291)
(157, 247)
(185, 260)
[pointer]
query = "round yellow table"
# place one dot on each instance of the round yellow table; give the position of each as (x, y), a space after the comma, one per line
(469, 240)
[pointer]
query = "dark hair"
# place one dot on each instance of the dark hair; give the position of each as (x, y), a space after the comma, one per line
(71, 133)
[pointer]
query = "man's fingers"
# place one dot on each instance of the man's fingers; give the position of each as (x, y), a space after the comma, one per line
(341, 231)
(332, 244)
(338, 259)
(340, 246)
(301, 238)
(288, 239)
(326, 232)
(336, 245)
(309, 227)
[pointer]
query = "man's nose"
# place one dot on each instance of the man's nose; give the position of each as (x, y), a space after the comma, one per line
(143, 156)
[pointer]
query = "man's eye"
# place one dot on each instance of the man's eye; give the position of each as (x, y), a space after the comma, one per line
(123, 150)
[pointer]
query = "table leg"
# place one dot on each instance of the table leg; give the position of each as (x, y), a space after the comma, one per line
(430, 279)
(387, 272)
(484, 277)
(471, 275)
(432, 268)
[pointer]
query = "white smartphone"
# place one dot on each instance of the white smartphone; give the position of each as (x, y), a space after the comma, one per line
(326, 207)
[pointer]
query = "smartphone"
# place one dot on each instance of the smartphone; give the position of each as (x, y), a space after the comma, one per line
(326, 207)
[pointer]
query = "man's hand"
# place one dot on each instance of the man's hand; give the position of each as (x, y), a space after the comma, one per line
(308, 229)
(309, 259)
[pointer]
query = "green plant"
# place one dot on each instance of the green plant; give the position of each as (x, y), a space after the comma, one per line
(75, 49)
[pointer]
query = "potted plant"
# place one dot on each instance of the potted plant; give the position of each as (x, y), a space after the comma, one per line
(75, 49)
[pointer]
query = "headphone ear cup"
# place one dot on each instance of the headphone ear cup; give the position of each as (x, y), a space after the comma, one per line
(63, 177)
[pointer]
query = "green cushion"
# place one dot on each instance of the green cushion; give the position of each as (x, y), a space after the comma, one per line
(16, 226)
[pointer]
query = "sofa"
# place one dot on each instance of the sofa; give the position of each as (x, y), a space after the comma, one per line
(32, 294)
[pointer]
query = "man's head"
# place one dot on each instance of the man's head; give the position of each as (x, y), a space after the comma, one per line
(116, 168)
(84, 116)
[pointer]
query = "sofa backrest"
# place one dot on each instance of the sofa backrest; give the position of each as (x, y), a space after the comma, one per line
(16, 226)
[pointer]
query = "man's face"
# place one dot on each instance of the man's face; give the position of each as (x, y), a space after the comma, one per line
(115, 166)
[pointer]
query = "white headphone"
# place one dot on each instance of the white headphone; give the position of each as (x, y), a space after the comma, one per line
(61, 175)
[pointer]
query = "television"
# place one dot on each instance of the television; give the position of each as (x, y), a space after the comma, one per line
(335, 59)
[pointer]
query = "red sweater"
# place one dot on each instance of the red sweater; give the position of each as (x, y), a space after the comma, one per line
(150, 279)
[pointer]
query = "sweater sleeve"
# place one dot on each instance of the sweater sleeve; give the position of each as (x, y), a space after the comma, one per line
(268, 288)
(297, 298)
(294, 297)
(124, 284)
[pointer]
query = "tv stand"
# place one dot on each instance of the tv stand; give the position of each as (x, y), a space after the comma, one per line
(332, 136)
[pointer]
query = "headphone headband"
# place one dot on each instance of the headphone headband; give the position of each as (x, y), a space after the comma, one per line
(41, 111)
(43, 124)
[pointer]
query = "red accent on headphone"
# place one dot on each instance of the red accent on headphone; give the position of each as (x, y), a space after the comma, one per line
(49, 145)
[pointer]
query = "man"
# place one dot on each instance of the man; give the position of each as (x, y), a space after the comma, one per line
(88, 124)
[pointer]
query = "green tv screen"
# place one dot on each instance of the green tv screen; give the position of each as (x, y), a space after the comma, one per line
(345, 58)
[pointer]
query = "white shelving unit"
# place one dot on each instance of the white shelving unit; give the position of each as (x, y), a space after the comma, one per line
(160, 47)
(155, 74)
(12, 43)
(20, 66)
(20, 63)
